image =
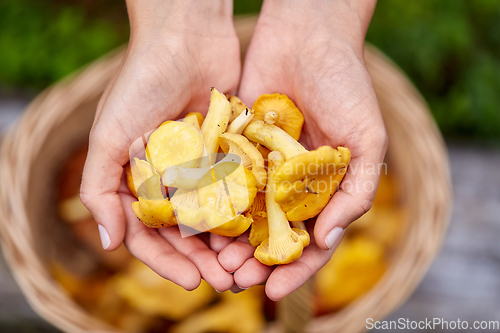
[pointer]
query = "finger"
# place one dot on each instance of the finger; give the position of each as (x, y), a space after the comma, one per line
(252, 273)
(286, 279)
(100, 181)
(235, 254)
(152, 249)
(201, 256)
(355, 195)
(217, 243)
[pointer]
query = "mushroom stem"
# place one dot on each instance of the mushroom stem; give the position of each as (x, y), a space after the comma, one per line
(284, 245)
(239, 123)
(279, 228)
(273, 138)
(271, 117)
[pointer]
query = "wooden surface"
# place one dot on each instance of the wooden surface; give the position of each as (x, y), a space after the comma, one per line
(463, 282)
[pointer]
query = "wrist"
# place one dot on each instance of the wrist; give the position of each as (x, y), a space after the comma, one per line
(156, 19)
(347, 20)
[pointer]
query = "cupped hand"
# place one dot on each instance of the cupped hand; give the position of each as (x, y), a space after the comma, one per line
(313, 52)
(177, 50)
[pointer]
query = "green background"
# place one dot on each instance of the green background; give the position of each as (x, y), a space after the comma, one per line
(449, 48)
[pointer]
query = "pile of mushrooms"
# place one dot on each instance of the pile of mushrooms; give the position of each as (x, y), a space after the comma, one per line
(182, 180)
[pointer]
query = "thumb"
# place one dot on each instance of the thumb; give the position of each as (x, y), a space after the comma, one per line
(354, 198)
(100, 181)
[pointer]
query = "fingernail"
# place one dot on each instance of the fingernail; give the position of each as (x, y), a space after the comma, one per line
(332, 236)
(235, 289)
(218, 291)
(105, 240)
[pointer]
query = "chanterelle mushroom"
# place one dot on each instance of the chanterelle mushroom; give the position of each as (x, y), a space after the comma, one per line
(173, 143)
(239, 123)
(240, 313)
(260, 229)
(250, 156)
(284, 244)
(152, 209)
(195, 119)
(237, 106)
(308, 181)
(210, 207)
(285, 114)
(302, 171)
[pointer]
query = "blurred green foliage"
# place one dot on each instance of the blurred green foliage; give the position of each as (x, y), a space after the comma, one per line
(42, 41)
(451, 51)
(449, 48)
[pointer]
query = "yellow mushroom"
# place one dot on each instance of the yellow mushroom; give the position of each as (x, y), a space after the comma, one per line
(260, 229)
(226, 192)
(237, 106)
(284, 244)
(194, 118)
(250, 156)
(149, 293)
(173, 143)
(284, 113)
(214, 125)
(210, 207)
(308, 181)
(152, 209)
(312, 176)
(239, 123)
(240, 313)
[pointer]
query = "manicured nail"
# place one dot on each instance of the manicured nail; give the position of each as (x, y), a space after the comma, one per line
(332, 236)
(105, 240)
(235, 289)
(218, 291)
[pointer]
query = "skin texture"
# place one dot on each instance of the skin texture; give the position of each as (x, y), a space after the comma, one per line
(310, 50)
(314, 54)
(177, 50)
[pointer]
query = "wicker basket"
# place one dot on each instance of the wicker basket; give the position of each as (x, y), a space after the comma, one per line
(60, 119)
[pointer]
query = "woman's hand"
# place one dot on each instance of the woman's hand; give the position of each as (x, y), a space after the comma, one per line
(312, 51)
(177, 50)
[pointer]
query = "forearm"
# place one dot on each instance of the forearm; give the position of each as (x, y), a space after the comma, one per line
(150, 19)
(348, 19)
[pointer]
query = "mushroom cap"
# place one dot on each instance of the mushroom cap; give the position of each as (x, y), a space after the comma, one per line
(260, 228)
(174, 143)
(194, 118)
(237, 106)
(235, 313)
(143, 180)
(154, 213)
(283, 253)
(250, 156)
(130, 180)
(209, 219)
(259, 231)
(321, 190)
(151, 294)
(224, 193)
(290, 118)
(305, 183)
